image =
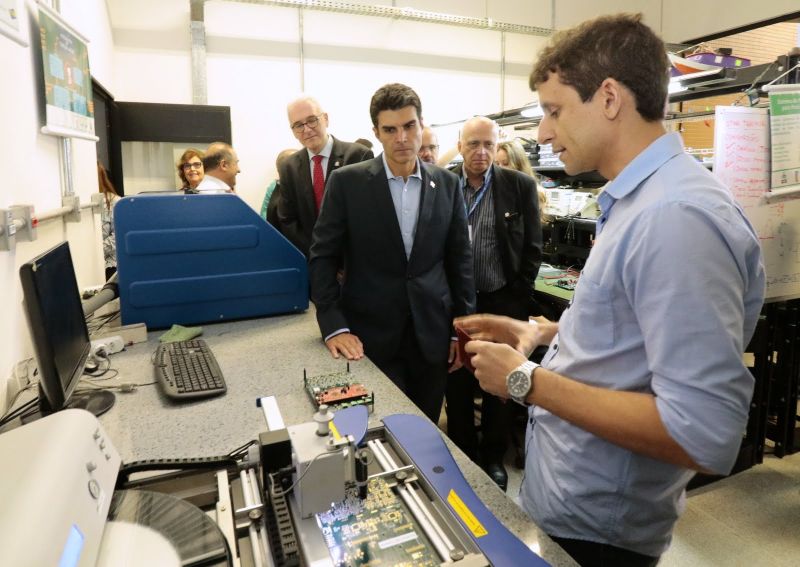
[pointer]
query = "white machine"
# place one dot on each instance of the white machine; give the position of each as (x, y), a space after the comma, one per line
(56, 483)
(330, 492)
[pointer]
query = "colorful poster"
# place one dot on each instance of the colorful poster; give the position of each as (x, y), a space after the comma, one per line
(68, 84)
(785, 131)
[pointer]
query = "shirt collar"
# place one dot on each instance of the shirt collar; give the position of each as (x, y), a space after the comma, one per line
(655, 155)
(389, 175)
(325, 152)
(487, 177)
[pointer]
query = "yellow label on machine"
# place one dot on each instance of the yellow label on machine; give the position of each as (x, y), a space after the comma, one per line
(335, 431)
(466, 515)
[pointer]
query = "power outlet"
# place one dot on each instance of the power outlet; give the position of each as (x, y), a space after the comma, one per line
(18, 380)
(13, 386)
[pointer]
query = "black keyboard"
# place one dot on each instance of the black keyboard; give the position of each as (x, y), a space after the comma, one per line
(187, 370)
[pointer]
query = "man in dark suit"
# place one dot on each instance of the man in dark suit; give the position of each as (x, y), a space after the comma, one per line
(399, 228)
(304, 174)
(506, 238)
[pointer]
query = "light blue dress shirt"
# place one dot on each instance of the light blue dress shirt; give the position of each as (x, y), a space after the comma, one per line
(405, 196)
(666, 303)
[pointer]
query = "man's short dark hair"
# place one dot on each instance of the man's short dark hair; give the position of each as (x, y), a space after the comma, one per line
(620, 47)
(216, 153)
(393, 96)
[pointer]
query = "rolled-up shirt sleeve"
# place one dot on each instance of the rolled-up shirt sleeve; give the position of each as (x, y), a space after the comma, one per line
(693, 324)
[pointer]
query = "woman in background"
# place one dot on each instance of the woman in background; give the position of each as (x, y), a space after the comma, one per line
(269, 207)
(190, 169)
(511, 154)
(110, 198)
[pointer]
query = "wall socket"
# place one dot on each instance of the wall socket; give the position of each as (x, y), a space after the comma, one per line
(17, 381)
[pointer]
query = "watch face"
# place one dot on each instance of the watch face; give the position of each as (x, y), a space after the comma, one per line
(519, 383)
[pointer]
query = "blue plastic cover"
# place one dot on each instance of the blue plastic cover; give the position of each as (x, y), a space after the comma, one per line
(187, 259)
(352, 421)
(424, 444)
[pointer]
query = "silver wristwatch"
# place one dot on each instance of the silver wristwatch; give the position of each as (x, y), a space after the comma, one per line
(520, 382)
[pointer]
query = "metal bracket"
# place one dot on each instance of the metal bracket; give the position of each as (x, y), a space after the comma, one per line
(98, 200)
(24, 214)
(74, 203)
(8, 230)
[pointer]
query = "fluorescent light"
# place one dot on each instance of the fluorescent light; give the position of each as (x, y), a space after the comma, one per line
(532, 112)
(676, 87)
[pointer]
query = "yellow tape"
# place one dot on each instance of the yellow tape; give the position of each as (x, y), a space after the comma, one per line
(335, 432)
(466, 515)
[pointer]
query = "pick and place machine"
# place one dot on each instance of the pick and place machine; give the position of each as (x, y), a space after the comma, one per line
(329, 492)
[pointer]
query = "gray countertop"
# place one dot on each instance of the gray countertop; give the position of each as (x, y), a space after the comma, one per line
(263, 357)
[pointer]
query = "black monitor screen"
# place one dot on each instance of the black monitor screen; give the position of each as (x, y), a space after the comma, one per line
(57, 324)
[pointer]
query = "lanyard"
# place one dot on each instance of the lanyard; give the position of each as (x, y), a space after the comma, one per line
(481, 192)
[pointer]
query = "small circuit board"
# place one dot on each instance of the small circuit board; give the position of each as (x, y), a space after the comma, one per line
(337, 390)
(375, 531)
(567, 283)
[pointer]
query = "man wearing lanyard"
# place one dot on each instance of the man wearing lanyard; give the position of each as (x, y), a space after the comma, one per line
(643, 383)
(506, 240)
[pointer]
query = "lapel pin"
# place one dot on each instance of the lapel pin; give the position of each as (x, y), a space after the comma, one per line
(336, 164)
(433, 185)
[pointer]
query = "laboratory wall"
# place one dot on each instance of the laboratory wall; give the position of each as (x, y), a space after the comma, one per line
(30, 164)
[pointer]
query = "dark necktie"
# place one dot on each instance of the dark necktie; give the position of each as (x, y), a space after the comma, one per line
(319, 181)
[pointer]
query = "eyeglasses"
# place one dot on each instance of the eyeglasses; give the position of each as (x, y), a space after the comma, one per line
(192, 165)
(475, 144)
(430, 148)
(312, 122)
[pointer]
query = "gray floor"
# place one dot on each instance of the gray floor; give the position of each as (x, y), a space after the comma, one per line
(749, 519)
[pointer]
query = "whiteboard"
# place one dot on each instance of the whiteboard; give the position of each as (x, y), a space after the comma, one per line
(742, 163)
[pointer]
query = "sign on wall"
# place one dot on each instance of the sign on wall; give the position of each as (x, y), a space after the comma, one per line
(10, 18)
(68, 85)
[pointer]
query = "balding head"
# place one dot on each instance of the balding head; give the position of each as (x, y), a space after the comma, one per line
(478, 145)
(429, 150)
(309, 123)
(222, 162)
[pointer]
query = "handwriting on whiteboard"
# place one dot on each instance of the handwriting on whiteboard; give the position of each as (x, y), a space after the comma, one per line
(742, 162)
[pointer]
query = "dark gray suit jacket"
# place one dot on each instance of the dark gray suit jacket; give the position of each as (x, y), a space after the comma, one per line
(382, 290)
(518, 228)
(296, 208)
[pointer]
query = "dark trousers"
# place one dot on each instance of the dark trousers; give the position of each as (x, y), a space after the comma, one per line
(592, 554)
(496, 416)
(421, 381)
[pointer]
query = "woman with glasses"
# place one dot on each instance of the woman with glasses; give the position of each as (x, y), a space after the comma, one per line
(190, 169)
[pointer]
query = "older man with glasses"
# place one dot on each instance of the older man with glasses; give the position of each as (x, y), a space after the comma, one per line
(429, 150)
(303, 175)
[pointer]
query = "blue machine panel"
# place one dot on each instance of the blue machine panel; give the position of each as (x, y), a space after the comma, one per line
(190, 259)
(423, 443)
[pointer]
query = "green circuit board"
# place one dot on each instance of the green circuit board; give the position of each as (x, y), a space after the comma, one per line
(376, 531)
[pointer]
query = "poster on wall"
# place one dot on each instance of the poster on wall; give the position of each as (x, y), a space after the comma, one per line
(784, 106)
(10, 17)
(69, 105)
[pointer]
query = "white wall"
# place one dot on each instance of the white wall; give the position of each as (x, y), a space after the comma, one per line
(29, 161)
(253, 67)
(687, 19)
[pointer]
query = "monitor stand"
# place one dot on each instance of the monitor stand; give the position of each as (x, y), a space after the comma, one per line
(97, 403)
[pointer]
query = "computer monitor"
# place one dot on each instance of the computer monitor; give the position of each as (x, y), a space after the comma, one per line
(58, 331)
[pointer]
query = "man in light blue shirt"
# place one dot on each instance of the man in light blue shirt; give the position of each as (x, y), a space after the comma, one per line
(643, 383)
